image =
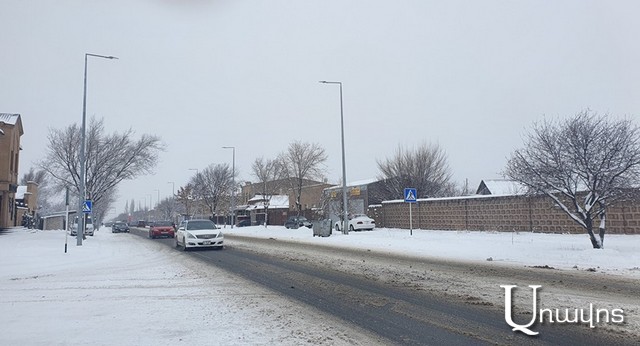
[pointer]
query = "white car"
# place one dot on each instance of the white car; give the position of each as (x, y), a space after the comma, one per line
(199, 234)
(358, 222)
(88, 227)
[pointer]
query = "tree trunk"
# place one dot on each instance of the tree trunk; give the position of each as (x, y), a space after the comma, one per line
(592, 237)
(266, 216)
(602, 228)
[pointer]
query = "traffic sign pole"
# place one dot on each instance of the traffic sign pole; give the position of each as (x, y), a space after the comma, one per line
(66, 220)
(410, 196)
(410, 220)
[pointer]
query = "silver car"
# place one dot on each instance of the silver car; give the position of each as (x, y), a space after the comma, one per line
(199, 234)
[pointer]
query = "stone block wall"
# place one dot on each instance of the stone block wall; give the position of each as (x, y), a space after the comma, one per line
(499, 213)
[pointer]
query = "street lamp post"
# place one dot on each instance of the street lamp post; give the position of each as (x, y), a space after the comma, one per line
(173, 200)
(173, 188)
(157, 203)
(83, 192)
(233, 186)
(197, 177)
(345, 221)
(149, 209)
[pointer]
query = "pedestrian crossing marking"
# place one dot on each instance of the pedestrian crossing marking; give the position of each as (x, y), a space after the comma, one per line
(86, 207)
(410, 195)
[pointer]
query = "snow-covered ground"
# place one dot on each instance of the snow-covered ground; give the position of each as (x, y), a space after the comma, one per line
(119, 289)
(621, 254)
(115, 290)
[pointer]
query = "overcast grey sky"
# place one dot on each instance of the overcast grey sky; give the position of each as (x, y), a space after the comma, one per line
(469, 75)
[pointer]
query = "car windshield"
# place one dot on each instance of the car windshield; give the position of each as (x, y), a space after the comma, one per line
(162, 223)
(120, 224)
(204, 224)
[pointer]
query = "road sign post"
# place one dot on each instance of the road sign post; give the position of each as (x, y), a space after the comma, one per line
(410, 196)
(66, 219)
(87, 207)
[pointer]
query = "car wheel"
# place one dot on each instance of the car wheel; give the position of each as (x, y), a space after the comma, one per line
(351, 228)
(184, 246)
(337, 228)
(177, 245)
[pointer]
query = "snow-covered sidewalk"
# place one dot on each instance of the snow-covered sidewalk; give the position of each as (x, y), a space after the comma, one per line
(119, 290)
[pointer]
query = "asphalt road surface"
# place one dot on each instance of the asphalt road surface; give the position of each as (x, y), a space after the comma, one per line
(396, 311)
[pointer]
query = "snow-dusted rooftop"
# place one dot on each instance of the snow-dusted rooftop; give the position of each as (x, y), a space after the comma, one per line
(9, 118)
(21, 191)
(354, 183)
(277, 201)
(500, 187)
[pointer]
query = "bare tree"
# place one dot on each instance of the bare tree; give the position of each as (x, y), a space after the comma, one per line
(267, 171)
(424, 168)
(110, 158)
(185, 198)
(302, 161)
(168, 208)
(212, 184)
(584, 164)
(101, 209)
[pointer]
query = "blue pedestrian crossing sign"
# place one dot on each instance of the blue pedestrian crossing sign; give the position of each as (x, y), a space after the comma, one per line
(410, 195)
(86, 206)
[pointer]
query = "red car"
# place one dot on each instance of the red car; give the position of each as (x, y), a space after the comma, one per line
(162, 229)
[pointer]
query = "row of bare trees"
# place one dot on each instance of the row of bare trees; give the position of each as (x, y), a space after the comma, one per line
(584, 164)
(299, 163)
(211, 187)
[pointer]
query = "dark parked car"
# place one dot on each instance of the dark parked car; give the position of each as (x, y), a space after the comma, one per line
(120, 227)
(297, 221)
(243, 223)
(141, 223)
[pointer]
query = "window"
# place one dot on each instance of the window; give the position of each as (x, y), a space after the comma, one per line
(196, 225)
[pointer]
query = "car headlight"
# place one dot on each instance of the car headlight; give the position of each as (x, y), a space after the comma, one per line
(220, 235)
(189, 235)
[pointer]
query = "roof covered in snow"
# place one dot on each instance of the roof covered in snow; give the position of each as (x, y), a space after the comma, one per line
(9, 118)
(355, 183)
(500, 187)
(276, 201)
(21, 191)
(13, 120)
